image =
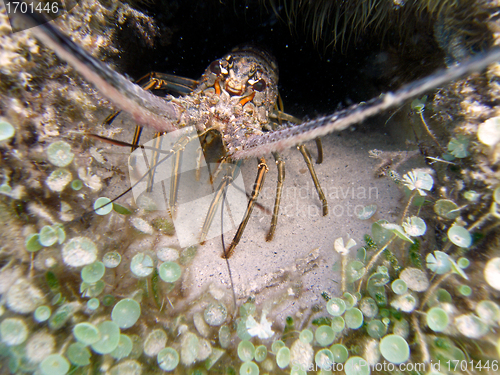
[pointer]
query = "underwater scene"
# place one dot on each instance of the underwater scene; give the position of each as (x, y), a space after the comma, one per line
(206, 223)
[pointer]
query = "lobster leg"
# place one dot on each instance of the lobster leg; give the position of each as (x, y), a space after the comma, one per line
(319, 146)
(259, 182)
(280, 164)
(226, 181)
(307, 158)
(174, 181)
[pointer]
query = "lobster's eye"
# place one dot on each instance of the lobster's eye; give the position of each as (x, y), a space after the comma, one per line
(215, 67)
(260, 85)
(224, 67)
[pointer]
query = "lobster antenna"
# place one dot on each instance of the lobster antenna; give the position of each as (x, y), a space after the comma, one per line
(224, 246)
(146, 108)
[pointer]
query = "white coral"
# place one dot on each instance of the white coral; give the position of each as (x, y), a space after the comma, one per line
(262, 330)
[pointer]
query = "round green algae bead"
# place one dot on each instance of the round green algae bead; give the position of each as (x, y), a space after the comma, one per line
(356, 268)
(157, 339)
(57, 299)
(368, 307)
(356, 366)
(190, 345)
(108, 300)
(277, 345)
(79, 251)
(54, 364)
(59, 154)
(86, 333)
(249, 368)
(48, 236)
(103, 206)
(463, 262)
(338, 324)
(126, 313)
(93, 304)
(465, 290)
(110, 337)
(260, 353)
(6, 130)
(336, 306)
(437, 319)
(376, 329)
(340, 353)
(111, 259)
(415, 226)
(124, 347)
(32, 242)
(78, 354)
(399, 286)
(76, 185)
(224, 336)
(324, 359)
(61, 234)
(169, 272)
(459, 236)
(324, 335)
(283, 357)
(492, 273)
(439, 296)
(366, 212)
(141, 265)
(489, 312)
(395, 349)
(13, 331)
(42, 313)
(58, 180)
(92, 290)
(168, 359)
(439, 262)
(127, 367)
(471, 326)
(349, 300)
(246, 351)
(306, 336)
(215, 314)
(353, 318)
(242, 330)
(92, 273)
